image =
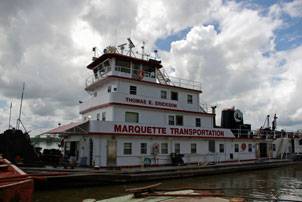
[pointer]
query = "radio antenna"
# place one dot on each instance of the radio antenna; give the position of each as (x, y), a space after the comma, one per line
(20, 110)
(131, 45)
(122, 47)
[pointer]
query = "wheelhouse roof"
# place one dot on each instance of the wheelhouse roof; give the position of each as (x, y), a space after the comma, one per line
(150, 62)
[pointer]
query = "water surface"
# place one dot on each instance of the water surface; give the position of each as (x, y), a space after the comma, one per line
(262, 185)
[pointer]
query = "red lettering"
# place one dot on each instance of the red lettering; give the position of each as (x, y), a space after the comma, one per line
(130, 129)
(124, 129)
(117, 128)
(137, 129)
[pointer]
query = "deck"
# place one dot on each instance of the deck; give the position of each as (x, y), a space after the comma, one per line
(60, 177)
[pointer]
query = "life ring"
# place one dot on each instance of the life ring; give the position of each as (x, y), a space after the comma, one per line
(141, 74)
(155, 149)
(243, 146)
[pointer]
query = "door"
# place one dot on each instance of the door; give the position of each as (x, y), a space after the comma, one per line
(91, 152)
(111, 152)
(293, 150)
(263, 150)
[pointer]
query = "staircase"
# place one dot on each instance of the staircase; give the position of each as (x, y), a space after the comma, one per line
(162, 77)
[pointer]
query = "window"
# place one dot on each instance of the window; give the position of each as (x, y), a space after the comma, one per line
(190, 99)
(212, 146)
(171, 120)
(300, 142)
(197, 122)
(177, 148)
(114, 89)
(236, 147)
(143, 148)
(109, 89)
(163, 94)
(98, 116)
(221, 148)
(174, 95)
(274, 147)
(179, 120)
(122, 66)
(132, 90)
(131, 117)
(250, 147)
(127, 148)
(164, 148)
(106, 64)
(95, 94)
(103, 116)
(193, 148)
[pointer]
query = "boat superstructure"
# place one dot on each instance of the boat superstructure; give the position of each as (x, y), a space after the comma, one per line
(136, 115)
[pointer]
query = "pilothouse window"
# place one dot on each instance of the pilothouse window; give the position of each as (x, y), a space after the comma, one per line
(122, 66)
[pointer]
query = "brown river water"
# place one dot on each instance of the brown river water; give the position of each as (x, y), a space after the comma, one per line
(283, 184)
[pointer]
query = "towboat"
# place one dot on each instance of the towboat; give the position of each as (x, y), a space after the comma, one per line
(15, 185)
(137, 115)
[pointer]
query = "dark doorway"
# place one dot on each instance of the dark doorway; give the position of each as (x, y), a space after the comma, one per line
(263, 150)
(293, 145)
(90, 152)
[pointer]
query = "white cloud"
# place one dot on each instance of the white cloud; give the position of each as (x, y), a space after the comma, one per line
(48, 45)
(294, 8)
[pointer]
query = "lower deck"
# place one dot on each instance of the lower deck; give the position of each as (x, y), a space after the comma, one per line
(130, 151)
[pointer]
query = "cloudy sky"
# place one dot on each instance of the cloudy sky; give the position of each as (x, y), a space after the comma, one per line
(246, 54)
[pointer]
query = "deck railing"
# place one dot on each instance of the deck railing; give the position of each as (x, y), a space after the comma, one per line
(132, 73)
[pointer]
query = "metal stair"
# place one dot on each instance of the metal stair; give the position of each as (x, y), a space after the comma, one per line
(162, 77)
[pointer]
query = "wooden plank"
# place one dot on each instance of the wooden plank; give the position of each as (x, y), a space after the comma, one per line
(143, 189)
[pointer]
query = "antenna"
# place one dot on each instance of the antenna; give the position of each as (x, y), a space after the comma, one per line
(19, 118)
(94, 53)
(122, 47)
(155, 54)
(143, 50)
(274, 123)
(131, 45)
(10, 114)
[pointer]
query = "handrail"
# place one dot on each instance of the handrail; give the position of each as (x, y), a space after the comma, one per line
(173, 81)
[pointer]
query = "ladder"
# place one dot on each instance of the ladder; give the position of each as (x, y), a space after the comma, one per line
(162, 77)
